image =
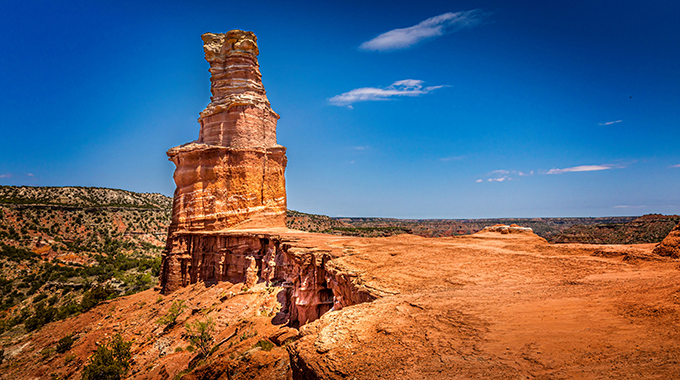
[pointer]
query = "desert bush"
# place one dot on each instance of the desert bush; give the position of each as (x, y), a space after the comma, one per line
(264, 344)
(16, 254)
(171, 316)
(92, 297)
(200, 334)
(110, 361)
(64, 344)
(41, 316)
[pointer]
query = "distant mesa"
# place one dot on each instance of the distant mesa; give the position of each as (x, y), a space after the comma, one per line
(670, 246)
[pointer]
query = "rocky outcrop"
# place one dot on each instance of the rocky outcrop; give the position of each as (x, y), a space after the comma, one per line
(312, 285)
(670, 246)
(233, 175)
(231, 194)
(511, 229)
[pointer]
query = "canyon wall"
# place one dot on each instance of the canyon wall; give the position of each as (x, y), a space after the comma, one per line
(312, 285)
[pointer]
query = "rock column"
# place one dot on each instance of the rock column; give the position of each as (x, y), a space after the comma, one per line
(233, 175)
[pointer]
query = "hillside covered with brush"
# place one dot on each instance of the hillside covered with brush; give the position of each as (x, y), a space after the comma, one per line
(63, 249)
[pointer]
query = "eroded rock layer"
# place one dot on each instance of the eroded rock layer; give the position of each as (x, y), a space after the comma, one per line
(670, 246)
(233, 175)
(312, 285)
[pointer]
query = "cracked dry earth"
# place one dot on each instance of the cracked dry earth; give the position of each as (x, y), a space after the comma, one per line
(480, 306)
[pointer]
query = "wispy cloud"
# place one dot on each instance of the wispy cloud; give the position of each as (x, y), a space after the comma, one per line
(500, 175)
(611, 122)
(406, 87)
(584, 168)
(361, 147)
(7, 175)
(676, 166)
(630, 206)
(431, 28)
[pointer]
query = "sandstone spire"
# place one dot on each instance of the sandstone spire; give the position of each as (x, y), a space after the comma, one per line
(233, 175)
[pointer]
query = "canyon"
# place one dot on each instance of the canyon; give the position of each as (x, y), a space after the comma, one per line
(289, 304)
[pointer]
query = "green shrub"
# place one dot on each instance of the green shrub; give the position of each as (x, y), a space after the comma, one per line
(64, 344)
(92, 297)
(41, 316)
(109, 362)
(264, 344)
(200, 334)
(171, 316)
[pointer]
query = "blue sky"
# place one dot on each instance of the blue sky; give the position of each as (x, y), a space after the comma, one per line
(410, 109)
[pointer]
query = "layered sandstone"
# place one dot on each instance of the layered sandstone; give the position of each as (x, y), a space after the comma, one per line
(312, 285)
(233, 175)
(670, 246)
(231, 194)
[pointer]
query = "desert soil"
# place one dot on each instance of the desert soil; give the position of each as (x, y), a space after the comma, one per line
(480, 306)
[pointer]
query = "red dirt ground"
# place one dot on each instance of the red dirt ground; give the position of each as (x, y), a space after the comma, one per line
(480, 306)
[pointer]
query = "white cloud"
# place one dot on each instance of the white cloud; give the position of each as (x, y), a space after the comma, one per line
(406, 87)
(361, 147)
(676, 166)
(583, 168)
(629, 206)
(5, 175)
(479, 180)
(611, 122)
(431, 28)
(500, 171)
(501, 179)
(30, 174)
(523, 174)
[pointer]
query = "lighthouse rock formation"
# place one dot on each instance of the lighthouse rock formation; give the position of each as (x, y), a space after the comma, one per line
(229, 208)
(233, 175)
